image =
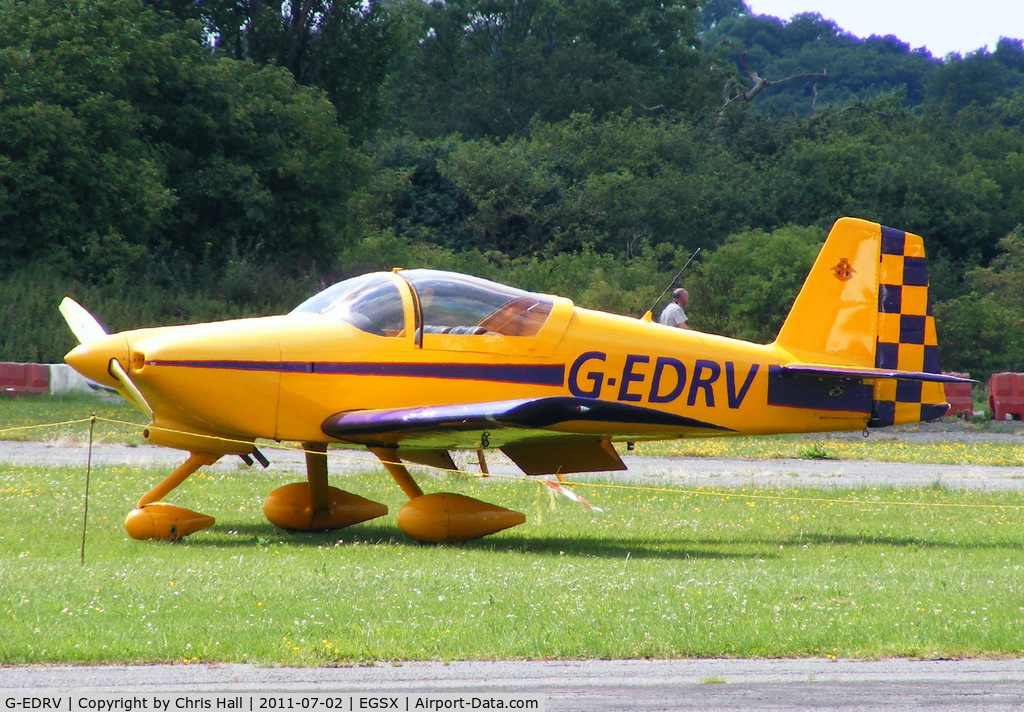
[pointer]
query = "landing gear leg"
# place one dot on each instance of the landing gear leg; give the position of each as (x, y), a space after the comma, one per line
(153, 519)
(443, 516)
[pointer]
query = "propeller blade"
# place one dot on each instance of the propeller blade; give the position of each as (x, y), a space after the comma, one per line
(83, 324)
(118, 372)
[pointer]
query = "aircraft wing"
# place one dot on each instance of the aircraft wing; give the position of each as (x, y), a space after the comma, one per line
(542, 435)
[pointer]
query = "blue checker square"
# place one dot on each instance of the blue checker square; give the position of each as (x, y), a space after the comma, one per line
(882, 413)
(908, 391)
(886, 355)
(912, 329)
(915, 272)
(933, 411)
(890, 298)
(893, 241)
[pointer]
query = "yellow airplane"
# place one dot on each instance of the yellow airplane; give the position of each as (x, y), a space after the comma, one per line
(412, 364)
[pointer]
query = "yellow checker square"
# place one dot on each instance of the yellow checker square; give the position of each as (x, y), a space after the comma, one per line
(931, 337)
(911, 357)
(889, 328)
(890, 269)
(933, 393)
(913, 246)
(914, 300)
(907, 413)
(885, 390)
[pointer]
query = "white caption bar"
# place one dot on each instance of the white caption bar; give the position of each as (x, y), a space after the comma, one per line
(267, 702)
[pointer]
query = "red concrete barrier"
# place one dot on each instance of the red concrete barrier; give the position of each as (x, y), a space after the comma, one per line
(1006, 395)
(958, 395)
(24, 379)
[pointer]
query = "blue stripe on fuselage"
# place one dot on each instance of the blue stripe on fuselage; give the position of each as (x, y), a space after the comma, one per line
(541, 374)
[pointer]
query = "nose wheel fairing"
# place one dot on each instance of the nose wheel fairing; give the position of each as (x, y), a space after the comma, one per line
(164, 521)
(153, 519)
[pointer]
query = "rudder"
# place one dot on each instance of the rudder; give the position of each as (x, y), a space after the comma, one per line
(906, 338)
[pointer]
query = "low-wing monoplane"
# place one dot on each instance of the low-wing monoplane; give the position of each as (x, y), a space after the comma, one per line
(413, 364)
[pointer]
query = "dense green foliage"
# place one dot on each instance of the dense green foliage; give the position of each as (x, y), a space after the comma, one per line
(133, 148)
(490, 68)
(169, 160)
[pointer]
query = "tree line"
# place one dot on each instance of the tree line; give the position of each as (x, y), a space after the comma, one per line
(176, 160)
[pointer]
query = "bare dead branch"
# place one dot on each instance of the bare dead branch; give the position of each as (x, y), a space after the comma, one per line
(731, 92)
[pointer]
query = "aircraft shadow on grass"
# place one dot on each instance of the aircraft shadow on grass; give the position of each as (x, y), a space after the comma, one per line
(617, 548)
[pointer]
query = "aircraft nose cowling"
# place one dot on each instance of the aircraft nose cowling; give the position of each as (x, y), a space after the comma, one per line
(92, 359)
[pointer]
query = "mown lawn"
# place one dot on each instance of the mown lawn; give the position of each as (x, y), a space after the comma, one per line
(658, 573)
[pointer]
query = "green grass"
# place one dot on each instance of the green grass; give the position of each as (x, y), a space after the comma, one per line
(57, 418)
(660, 573)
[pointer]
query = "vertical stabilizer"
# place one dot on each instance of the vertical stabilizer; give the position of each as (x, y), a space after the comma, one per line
(865, 305)
(834, 317)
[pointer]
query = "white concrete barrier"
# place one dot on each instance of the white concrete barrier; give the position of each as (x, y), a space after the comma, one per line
(64, 380)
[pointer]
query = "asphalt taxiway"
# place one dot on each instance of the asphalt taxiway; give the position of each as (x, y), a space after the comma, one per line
(586, 686)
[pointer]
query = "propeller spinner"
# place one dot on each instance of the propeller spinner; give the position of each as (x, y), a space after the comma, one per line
(98, 355)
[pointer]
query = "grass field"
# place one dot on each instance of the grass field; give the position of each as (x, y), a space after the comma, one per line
(880, 445)
(660, 572)
(656, 574)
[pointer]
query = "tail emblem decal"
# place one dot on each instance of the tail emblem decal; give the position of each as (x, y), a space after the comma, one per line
(844, 270)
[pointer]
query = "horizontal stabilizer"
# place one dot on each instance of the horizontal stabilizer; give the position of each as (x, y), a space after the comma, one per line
(806, 369)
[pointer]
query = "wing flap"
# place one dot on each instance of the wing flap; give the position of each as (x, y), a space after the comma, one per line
(437, 459)
(564, 455)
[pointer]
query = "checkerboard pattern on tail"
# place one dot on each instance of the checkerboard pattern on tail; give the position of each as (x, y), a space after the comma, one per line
(906, 338)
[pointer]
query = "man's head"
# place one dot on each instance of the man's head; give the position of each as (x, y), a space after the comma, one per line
(680, 296)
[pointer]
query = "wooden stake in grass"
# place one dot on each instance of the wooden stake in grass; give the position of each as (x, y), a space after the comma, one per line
(88, 471)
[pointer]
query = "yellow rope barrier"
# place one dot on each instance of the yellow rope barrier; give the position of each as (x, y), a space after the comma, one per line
(675, 491)
(41, 426)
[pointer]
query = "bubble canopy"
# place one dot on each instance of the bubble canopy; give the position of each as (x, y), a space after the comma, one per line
(446, 303)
